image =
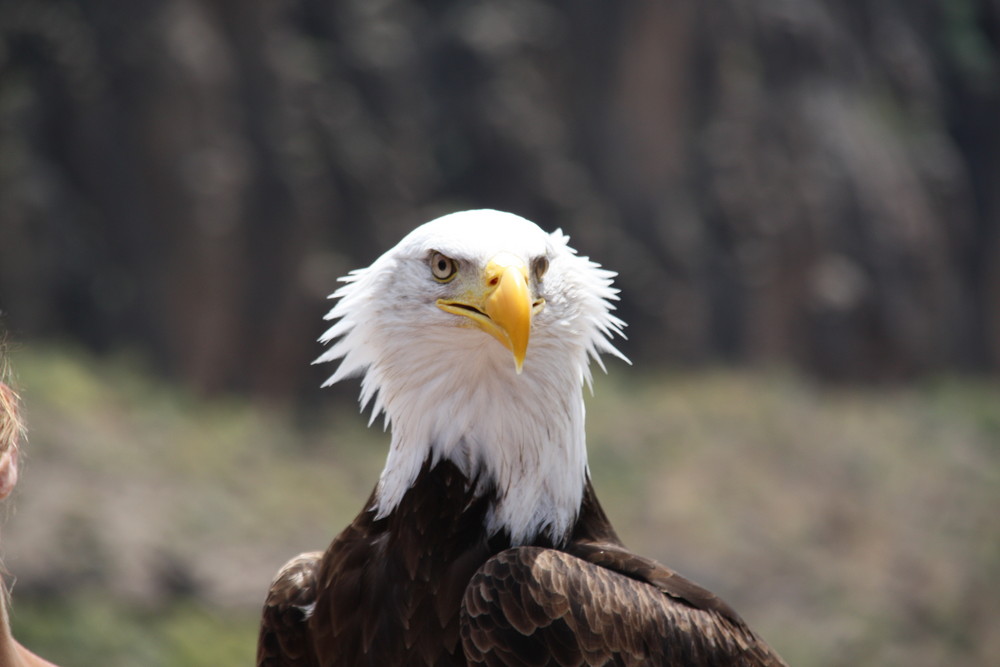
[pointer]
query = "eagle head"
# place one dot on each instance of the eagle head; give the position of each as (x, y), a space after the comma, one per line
(474, 336)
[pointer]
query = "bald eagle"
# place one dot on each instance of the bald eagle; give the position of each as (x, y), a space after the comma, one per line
(483, 541)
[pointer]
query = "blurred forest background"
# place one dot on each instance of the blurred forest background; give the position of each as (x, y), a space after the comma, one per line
(789, 189)
(791, 181)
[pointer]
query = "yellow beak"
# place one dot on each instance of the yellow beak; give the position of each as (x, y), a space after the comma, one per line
(500, 304)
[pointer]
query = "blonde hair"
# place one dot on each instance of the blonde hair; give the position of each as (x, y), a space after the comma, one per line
(11, 426)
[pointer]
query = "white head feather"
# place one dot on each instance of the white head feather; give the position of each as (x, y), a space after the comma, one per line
(450, 391)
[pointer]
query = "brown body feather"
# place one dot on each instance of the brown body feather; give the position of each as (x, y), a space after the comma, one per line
(427, 586)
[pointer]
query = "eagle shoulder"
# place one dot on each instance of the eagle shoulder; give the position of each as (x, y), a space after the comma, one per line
(284, 639)
(599, 605)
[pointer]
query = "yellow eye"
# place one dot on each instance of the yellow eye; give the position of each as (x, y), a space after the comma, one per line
(541, 265)
(443, 268)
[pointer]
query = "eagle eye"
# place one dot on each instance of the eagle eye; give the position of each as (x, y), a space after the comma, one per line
(540, 266)
(443, 268)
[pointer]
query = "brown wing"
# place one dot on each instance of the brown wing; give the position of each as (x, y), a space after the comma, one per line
(535, 606)
(284, 639)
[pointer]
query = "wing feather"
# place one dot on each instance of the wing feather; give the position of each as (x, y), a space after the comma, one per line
(531, 605)
(284, 639)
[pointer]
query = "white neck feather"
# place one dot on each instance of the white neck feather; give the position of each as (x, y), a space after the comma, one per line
(519, 435)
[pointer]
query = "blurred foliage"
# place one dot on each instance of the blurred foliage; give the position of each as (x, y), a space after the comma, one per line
(91, 628)
(810, 183)
(849, 526)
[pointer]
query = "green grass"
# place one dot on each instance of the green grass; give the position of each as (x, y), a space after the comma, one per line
(849, 526)
(91, 628)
